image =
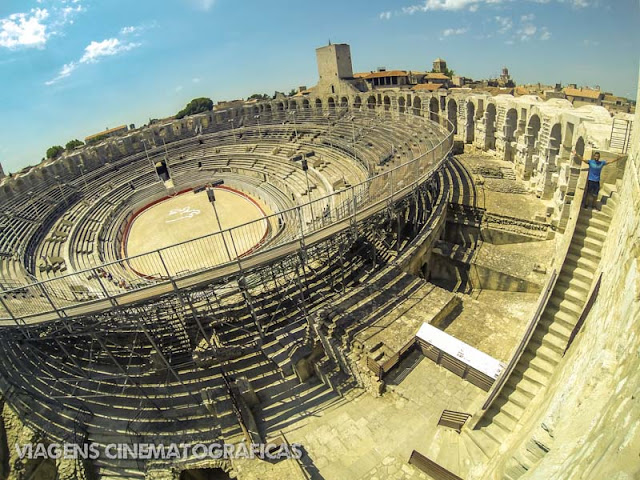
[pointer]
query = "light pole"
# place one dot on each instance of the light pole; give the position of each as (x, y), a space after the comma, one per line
(353, 137)
(295, 126)
(257, 117)
(166, 157)
(212, 199)
(328, 115)
(305, 168)
(64, 197)
(153, 167)
(233, 129)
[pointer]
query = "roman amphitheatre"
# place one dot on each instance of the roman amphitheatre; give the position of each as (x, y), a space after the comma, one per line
(401, 282)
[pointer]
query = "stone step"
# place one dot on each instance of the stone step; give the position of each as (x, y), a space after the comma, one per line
(575, 295)
(517, 396)
(512, 410)
(574, 282)
(581, 262)
(524, 385)
(538, 363)
(541, 378)
(566, 305)
(585, 252)
(587, 219)
(553, 314)
(550, 340)
(559, 329)
(545, 352)
(583, 275)
(504, 421)
(593, 232)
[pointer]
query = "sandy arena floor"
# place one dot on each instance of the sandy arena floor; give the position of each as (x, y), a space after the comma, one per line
(190, 216)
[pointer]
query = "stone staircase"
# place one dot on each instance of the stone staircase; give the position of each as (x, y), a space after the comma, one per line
(537, 364)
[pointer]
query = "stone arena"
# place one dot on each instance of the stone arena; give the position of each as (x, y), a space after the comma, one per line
(401, 283)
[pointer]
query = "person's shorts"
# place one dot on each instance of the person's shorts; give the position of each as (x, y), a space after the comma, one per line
(593, 188)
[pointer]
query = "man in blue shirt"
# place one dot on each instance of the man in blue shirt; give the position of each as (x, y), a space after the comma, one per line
(593, 181)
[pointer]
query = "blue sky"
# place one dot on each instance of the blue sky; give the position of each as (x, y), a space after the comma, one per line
(70, 68)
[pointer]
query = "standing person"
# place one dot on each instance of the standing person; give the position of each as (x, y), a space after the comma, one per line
(593, 182)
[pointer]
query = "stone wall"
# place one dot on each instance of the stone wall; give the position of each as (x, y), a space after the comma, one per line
(588, 418)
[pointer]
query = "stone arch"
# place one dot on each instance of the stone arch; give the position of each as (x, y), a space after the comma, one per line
(533, 130)
(305, 104)
(510, 125)
(490, 126)
(357, 103)
(371, 102)
(433, 109)
(401, 103)
(280, 106)
(555, 141)
(293, 105)
(387, 103)
(417, 106)
(471, 122)
(318, 104)
(255, 110)
(331, 103)
(267, 109)
(344, 102)
(452, 114)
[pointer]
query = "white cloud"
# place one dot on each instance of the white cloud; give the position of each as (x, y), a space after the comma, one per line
(527, 31)
(474, 5)
(195, 80)
(93, 53)
(129, 30)
(545, 33)
(454, 31)
(24, 29)
(505, 24)
(106, 48)
(527, 18)
(385, 15)
(427, 5)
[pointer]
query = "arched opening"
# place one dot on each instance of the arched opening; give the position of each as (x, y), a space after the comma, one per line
(452, 114)
(204, 474)
(555, 140)
(471, 122)
(510, 125)
(357, 103)
(344, 102)
(401, 107)
(417, 106)
(293, 105)
(280, 106)
(433, 109)
(255, 110)
(490, 127)
(371, 102)
(533, 129)
(267, 109)
(305, 104)
(318, 104)
(443, 104)
(387, 103)
(332, 104)
(579, 150)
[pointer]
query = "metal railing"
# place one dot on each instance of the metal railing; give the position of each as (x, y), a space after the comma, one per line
(233, 249)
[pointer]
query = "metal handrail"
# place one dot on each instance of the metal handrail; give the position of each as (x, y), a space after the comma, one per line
(354, 202)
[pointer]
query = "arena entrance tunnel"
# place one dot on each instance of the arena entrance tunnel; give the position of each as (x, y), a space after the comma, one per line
(163, 171)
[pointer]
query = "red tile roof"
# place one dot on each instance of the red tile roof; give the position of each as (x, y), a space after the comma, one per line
(431, 87)
(582, 93)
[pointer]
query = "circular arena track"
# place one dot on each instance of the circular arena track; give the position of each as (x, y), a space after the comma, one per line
(170, 223)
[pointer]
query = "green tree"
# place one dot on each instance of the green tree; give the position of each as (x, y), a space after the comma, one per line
(259, 96)
(73, 144)
(197, 105)
(55, 151)
(448, 72)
